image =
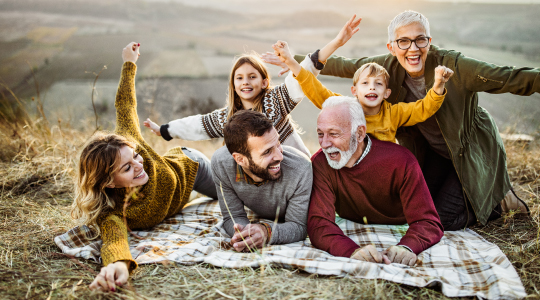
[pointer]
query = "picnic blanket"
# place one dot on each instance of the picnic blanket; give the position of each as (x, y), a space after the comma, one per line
(462, 263)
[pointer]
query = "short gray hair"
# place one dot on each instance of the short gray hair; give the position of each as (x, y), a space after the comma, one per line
(406, 18)
(356, 112)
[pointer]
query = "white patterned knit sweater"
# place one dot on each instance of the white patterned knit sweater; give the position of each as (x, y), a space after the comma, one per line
(277, 105)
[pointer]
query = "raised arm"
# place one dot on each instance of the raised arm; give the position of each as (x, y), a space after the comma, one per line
(409, 114)
(479, 76)
(127, 120)
(344, 35)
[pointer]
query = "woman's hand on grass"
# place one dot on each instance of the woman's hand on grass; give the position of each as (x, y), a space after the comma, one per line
(115, 274)
(131, 52)
(271, 58)
(152, 126)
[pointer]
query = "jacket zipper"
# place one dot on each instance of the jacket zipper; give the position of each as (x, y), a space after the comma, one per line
(484, 79)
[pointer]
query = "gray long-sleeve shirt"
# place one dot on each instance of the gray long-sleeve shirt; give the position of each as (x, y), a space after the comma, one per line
(291, 193)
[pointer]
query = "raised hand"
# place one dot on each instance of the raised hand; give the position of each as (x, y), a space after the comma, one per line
(152, 126)
(282, 51)
(115, 274)
(442, 75)
(271, 58)
(131, 52)
(252, 235)
(348, 30)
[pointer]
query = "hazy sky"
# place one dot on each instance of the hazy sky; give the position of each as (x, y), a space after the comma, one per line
(492, 1)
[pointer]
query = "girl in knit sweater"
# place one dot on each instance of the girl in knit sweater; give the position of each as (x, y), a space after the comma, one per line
(124, 184)
(249, 82)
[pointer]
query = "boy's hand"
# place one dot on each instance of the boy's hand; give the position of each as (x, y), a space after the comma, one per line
(271, 58)
(152, 126)
(442, 75)
(281, 50)
(348, 30)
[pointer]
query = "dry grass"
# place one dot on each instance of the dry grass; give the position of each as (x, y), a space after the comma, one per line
(36, 176)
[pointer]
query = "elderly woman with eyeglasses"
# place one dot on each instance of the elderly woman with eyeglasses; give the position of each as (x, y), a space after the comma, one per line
(459, 148)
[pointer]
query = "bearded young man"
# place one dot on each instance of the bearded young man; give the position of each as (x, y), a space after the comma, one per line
(366, 180)
(255, 171)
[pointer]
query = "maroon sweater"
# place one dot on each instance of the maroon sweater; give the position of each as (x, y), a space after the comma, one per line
(386, 187)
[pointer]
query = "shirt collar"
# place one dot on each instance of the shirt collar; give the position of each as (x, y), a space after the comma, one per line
(242, 176)
(366, 151)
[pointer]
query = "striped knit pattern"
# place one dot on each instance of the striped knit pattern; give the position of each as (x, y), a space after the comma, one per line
(171, 179)
(277, 105)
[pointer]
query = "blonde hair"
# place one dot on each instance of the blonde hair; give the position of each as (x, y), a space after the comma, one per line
(233, 99)
(374, 70)
(405, 18)
(97, 166)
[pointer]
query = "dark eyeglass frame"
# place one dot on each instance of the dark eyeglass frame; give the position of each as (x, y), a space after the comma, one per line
(413, 41)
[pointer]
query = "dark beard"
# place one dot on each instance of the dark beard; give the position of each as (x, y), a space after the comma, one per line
(261, 172)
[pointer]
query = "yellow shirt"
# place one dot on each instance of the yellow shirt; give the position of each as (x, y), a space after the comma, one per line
(170, 180)
(382, 126)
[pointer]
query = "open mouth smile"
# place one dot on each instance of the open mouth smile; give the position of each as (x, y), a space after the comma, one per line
(246, 90)
(372, 97)
(275, 168)
(140, 175)
(413, 60)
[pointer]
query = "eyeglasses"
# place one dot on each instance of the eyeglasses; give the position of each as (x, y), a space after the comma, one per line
(421, 42)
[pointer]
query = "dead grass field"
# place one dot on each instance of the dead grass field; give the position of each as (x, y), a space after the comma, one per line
(36, 183)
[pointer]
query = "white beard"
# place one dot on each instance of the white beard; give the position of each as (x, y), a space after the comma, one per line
(345, 155)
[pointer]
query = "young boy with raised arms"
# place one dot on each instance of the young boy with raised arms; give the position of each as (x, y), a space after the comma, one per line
(370, 87)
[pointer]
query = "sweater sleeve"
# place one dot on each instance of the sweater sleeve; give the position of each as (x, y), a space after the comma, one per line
(190, 128)
(115, 241)
(294, 88)
(127, 120)
(409, 114)
(315, 91)
(323, 231)
(294, 228)
(425, 228)
(232, 208)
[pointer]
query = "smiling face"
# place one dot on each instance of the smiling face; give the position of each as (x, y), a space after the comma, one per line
(130, 171)
(248, 83)
(266, 156)
(335, 138)
(413, 60)
(370, 91)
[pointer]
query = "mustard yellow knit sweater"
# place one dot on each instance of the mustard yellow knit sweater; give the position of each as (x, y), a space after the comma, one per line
(170, 180)
(383, 125)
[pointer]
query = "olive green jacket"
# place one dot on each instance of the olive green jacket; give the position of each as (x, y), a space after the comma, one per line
(473, 140)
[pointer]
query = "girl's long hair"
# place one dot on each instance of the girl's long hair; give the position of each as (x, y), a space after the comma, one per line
(233, 100)
(97, 165)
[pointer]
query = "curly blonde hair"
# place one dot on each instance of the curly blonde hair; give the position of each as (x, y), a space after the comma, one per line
(98, 163)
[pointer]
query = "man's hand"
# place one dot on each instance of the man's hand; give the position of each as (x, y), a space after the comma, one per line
(131, 52)
(255, 236)
(400, 255)
(281, 50)
(152, 126)
(369, 253)
(348, 30)
(442, 75)
(271, 58)
(115, 274)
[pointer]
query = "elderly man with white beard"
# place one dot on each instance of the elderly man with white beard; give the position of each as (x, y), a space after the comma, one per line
(363, 179)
